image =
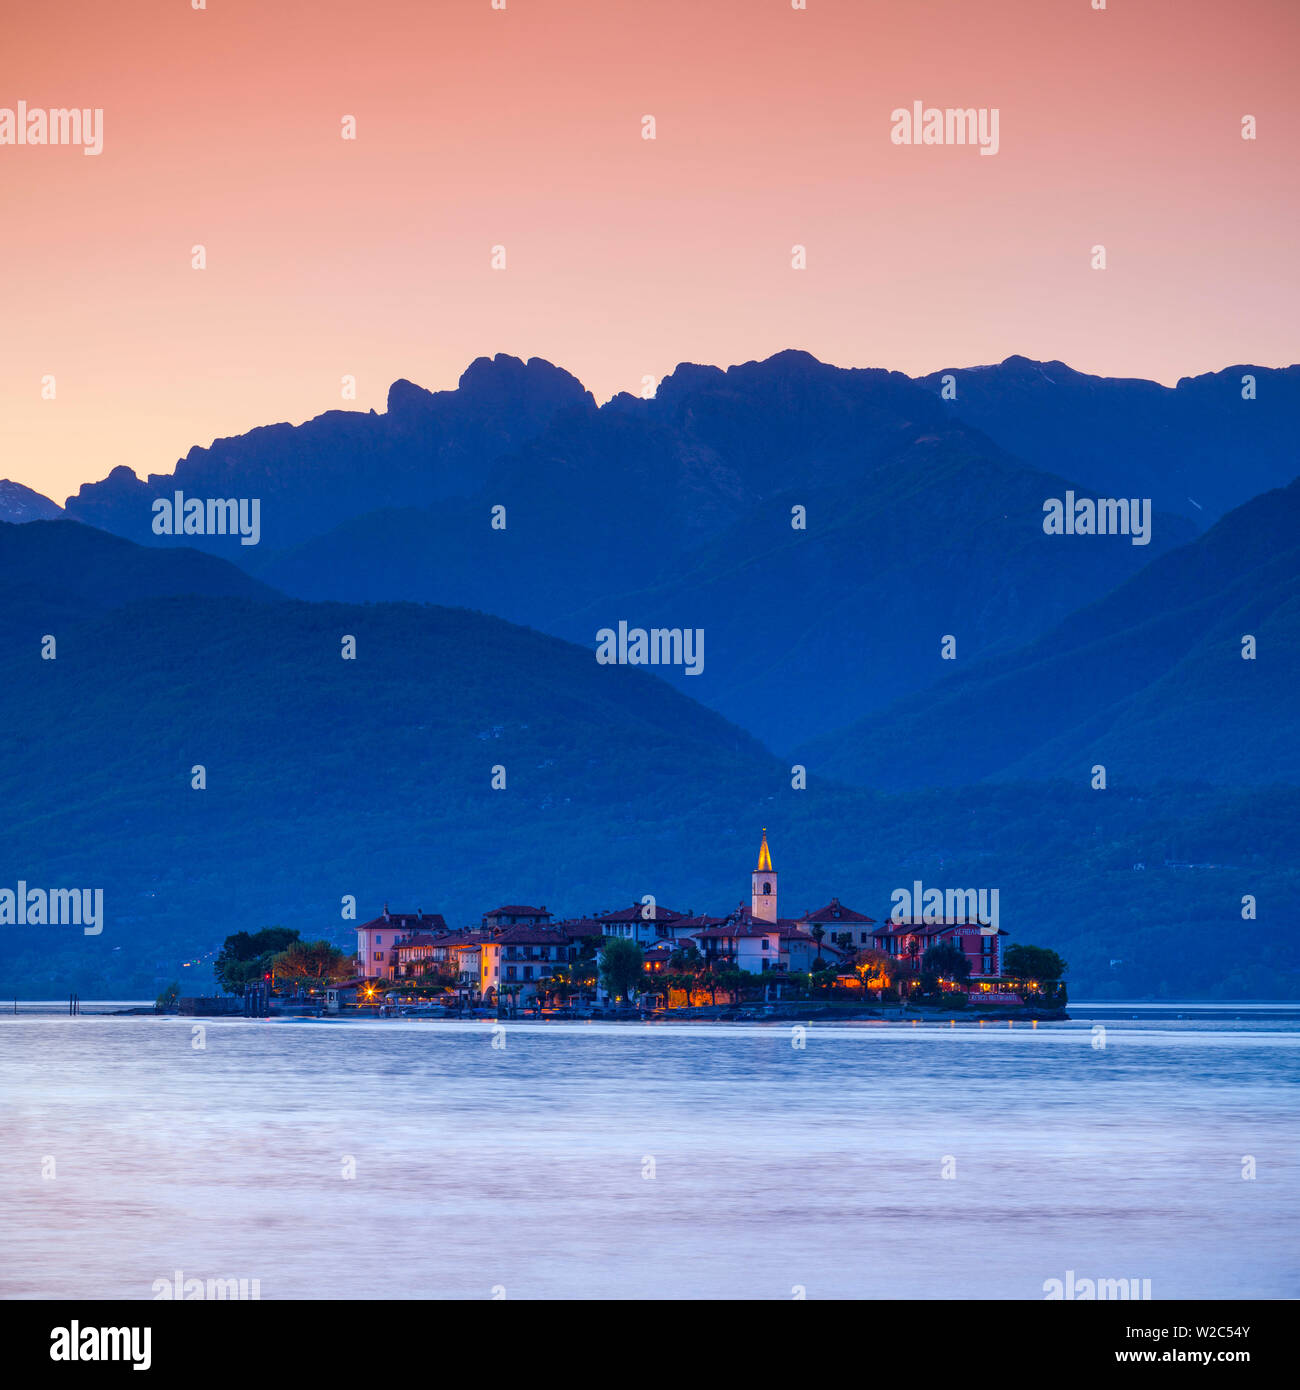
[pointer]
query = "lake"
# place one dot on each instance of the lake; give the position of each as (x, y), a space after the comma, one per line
(651, 1161)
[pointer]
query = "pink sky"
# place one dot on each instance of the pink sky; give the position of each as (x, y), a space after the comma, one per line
(625, 256)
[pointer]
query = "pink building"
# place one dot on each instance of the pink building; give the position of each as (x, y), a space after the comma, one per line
(378, 940)
(908, 941)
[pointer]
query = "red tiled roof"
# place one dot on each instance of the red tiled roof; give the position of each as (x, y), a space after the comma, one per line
(406, 921)
(834, 911)
(640, 912)
(739, 929)
(528, 936)
(516, 910)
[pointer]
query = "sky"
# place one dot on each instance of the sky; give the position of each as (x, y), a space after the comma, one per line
(523, 128)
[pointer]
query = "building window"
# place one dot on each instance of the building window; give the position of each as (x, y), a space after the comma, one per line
(767, 888)
(379, 955)
(510, 972)
(378, 939)
(528, 972)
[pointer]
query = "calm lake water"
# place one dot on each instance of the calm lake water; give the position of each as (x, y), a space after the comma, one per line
(525, 1166)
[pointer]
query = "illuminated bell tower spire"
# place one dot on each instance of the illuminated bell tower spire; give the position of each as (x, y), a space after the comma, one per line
(763, 900)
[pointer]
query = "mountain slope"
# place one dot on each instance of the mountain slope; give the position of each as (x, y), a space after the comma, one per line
(373, 778)
(806, 630)
(1198, 448)
(677, 512)
(1148, 681)
(56, 572)
(19, 503)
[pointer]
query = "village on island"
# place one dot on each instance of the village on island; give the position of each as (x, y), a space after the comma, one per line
(643, 960)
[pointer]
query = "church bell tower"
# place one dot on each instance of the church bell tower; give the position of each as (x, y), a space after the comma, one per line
(763, 902)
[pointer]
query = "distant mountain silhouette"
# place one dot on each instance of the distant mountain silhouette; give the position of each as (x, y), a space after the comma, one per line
(19, 503)
(1149, 681)
(425, 447)
(1198, 448)
(923, 516)
(677, 511)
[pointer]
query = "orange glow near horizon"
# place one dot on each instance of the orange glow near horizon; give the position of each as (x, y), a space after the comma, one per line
(522, 128)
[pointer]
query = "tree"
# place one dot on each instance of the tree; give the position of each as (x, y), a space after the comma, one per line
(621, 963)
(312, 962)
(244, 958)
(169, 998)
(944, 961)
(735, 982)
(559, 986)
(1033, 963)
(876, 969)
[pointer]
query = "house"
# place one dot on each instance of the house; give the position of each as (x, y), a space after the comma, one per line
(836, 921)
(516, 961)
(742, 943)
(907, 942)
(377, 940)
(644, 923)
(342, 995)
(756, 938)
(518, 950)
(515, 915)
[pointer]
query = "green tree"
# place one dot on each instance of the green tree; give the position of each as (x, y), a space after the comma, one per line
(312, 962)
(621, 963)
(169, 998)
(246, 957)
(944, 961)
(685, 957)
(876, 969)
(1033, 963)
